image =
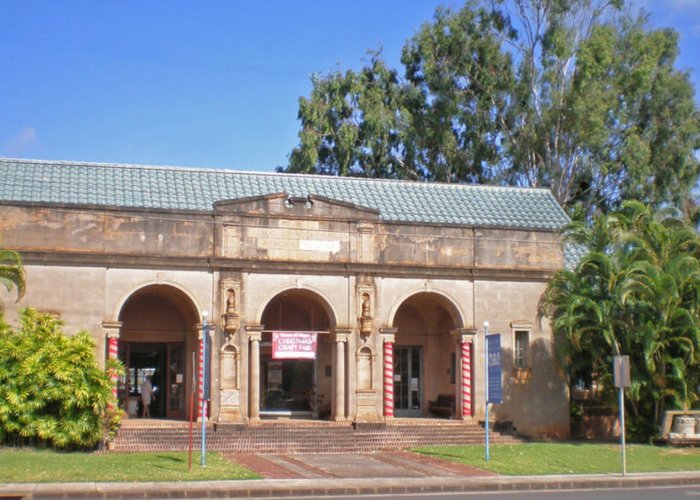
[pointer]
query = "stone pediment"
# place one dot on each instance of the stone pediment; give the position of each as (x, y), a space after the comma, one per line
(282, 205)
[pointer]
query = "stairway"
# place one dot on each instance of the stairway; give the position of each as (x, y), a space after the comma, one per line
(302, 436)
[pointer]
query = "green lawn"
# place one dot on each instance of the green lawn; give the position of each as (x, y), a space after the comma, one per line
(563, 458)
(30, 466)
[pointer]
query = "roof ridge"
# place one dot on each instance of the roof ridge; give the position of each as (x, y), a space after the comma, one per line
(170, 168)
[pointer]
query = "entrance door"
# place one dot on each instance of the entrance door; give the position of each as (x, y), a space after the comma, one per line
(408, 381)
(176, 381)
(286, 386)
(164, 363)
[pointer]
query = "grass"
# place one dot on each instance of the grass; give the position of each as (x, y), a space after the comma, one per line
(569, 458)
(25, 465)
(37, 466)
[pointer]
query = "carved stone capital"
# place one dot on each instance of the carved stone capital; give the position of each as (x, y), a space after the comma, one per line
(254, 332)
(463, 335)
(112, 328)
(340, 334)
(388, 335)
(211, 327)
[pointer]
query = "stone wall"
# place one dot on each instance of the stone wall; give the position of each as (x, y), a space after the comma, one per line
(84, 263)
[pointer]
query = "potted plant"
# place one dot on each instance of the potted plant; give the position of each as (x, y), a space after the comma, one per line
(113, 420)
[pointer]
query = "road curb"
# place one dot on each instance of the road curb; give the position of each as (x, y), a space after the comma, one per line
(314, 487)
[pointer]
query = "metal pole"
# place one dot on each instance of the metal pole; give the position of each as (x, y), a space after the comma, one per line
(486, 386)
(194, 388)
(204, 401)
(622, 429)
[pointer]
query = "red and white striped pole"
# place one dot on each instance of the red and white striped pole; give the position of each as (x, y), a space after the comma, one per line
(113, 350)
(388, 378)
(466, 379)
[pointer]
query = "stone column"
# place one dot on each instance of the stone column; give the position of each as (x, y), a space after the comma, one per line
(254, 337)
(465, 339)
(341, 337)
(388, 338)
(112, 329)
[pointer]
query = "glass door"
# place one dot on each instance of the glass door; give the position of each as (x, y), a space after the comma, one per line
(176, 381)
(408, 381)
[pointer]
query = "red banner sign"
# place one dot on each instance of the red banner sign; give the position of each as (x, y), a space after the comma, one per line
(294, 345)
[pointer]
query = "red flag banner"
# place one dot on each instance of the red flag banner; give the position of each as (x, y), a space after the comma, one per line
(294, 345)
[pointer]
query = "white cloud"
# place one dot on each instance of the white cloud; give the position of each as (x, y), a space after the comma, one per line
(22, 142)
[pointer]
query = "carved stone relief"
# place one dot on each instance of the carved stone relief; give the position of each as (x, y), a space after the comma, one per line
(365, 300)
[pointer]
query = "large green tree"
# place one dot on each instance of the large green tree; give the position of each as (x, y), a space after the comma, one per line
(354, 124)
(580, 96)
(635, 292)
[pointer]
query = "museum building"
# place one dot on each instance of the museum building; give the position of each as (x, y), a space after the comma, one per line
(323, 297)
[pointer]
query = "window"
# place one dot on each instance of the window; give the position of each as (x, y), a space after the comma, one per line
(520, 347)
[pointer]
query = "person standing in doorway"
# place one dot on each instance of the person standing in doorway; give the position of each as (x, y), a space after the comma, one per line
(147, 397)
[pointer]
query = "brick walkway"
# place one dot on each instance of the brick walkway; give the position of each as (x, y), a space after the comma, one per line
(351, 465)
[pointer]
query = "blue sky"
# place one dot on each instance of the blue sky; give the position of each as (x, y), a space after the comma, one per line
(207, 83)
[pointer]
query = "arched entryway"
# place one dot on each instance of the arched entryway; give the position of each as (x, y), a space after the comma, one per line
(424, 353)
(157, 339)
(296, 355)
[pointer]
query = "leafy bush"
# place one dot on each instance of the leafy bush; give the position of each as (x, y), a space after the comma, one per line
(52, 389)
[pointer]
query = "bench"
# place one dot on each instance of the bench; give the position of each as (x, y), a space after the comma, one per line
(443, 406)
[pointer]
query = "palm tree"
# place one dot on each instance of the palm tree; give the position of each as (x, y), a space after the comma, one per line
(581, 302)
(662, 287)
(636, 292)
(12, 272)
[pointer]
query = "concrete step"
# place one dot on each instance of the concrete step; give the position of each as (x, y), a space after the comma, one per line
(302, 436)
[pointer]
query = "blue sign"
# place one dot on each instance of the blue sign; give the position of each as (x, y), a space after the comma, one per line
(206, 385)
(495, 389)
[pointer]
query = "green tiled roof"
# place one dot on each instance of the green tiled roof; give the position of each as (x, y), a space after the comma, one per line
(135, 186)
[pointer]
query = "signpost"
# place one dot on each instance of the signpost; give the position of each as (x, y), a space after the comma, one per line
(621, 373)
(492, 383)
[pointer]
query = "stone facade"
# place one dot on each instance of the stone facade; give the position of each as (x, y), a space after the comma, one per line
(370, 288)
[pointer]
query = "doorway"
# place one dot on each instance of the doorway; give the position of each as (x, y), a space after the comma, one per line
(423, 351)
(157, 339)
(296, 386)
(286, 385)
(164, 364)
(408, 381)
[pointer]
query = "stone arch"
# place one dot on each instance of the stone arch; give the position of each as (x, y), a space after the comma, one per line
(312, 292)
(119, 304)
(424, 351)
(157, 336)
(447, 300)
(294, 383)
